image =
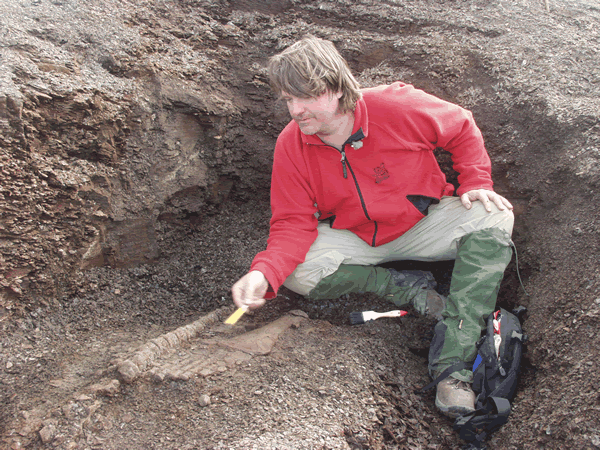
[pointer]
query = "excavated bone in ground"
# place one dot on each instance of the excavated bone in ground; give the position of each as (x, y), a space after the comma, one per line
(182, 354)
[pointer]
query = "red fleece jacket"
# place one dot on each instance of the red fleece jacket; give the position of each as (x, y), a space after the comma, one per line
(364, 188)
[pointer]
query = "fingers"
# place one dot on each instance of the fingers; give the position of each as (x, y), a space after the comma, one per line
(249, 291)
(245, 295)
(486, 197)
(507, 204)
(499, 201)
(465, 201)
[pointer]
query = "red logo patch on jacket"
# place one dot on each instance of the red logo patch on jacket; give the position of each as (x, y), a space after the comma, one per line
(381, 173)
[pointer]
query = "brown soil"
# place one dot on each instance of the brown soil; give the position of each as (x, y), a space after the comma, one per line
(115, 233)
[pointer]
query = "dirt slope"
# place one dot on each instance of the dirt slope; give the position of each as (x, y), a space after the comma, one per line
(135, 150)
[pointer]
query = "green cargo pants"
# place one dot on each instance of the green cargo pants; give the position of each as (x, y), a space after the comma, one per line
(478, 270)
(478, 241)
(401, 288)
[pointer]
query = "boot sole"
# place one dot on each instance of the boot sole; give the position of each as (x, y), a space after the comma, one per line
(453, 411)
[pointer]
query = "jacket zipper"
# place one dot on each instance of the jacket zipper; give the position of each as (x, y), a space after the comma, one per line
(346, 163)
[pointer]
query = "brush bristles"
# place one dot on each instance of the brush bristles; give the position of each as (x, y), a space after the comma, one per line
(356, 318)
(361, 317)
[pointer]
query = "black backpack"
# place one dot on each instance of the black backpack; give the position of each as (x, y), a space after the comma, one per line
(494, 378)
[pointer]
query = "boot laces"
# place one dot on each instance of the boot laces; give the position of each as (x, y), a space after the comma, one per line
(459, 384)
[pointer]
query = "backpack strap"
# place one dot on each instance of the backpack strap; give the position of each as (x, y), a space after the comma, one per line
(445, 374)
(475, 427)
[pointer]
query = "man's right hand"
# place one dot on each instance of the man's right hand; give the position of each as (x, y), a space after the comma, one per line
(249, 291)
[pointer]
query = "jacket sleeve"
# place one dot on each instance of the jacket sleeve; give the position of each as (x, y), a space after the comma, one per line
(458, 134)
(443, 124)
(293, 226)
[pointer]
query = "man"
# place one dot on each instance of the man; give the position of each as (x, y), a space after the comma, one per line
(356, 184)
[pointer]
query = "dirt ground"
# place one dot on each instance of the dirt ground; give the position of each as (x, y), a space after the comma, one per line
(121, 234)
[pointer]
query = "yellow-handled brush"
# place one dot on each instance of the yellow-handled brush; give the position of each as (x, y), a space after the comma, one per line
(232, 319)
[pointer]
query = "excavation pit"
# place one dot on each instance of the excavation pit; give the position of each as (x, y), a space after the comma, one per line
(135, 162)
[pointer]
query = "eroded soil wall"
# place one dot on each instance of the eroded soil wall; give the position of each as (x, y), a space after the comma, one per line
(128, 127)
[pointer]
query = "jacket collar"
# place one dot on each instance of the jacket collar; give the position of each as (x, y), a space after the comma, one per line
(360, 130)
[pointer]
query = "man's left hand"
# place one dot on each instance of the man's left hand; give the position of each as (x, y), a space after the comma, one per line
(486, 197)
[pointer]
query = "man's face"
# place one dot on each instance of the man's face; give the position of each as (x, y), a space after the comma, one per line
(314, 115)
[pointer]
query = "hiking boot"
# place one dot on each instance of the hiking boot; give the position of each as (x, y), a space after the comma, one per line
(434, 305)
(418, 289)
(454, 397)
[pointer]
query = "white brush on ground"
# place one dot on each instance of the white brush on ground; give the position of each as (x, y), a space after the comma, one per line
(356, 318)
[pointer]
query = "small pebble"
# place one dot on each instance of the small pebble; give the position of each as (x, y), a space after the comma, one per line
(47, 433)
(204, 400)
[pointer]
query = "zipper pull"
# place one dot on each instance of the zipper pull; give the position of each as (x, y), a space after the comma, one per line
(344, 164)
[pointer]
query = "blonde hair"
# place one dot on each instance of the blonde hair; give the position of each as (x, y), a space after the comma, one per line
(311, 67)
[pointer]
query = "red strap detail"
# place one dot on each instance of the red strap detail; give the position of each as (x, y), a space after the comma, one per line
(497, 324)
